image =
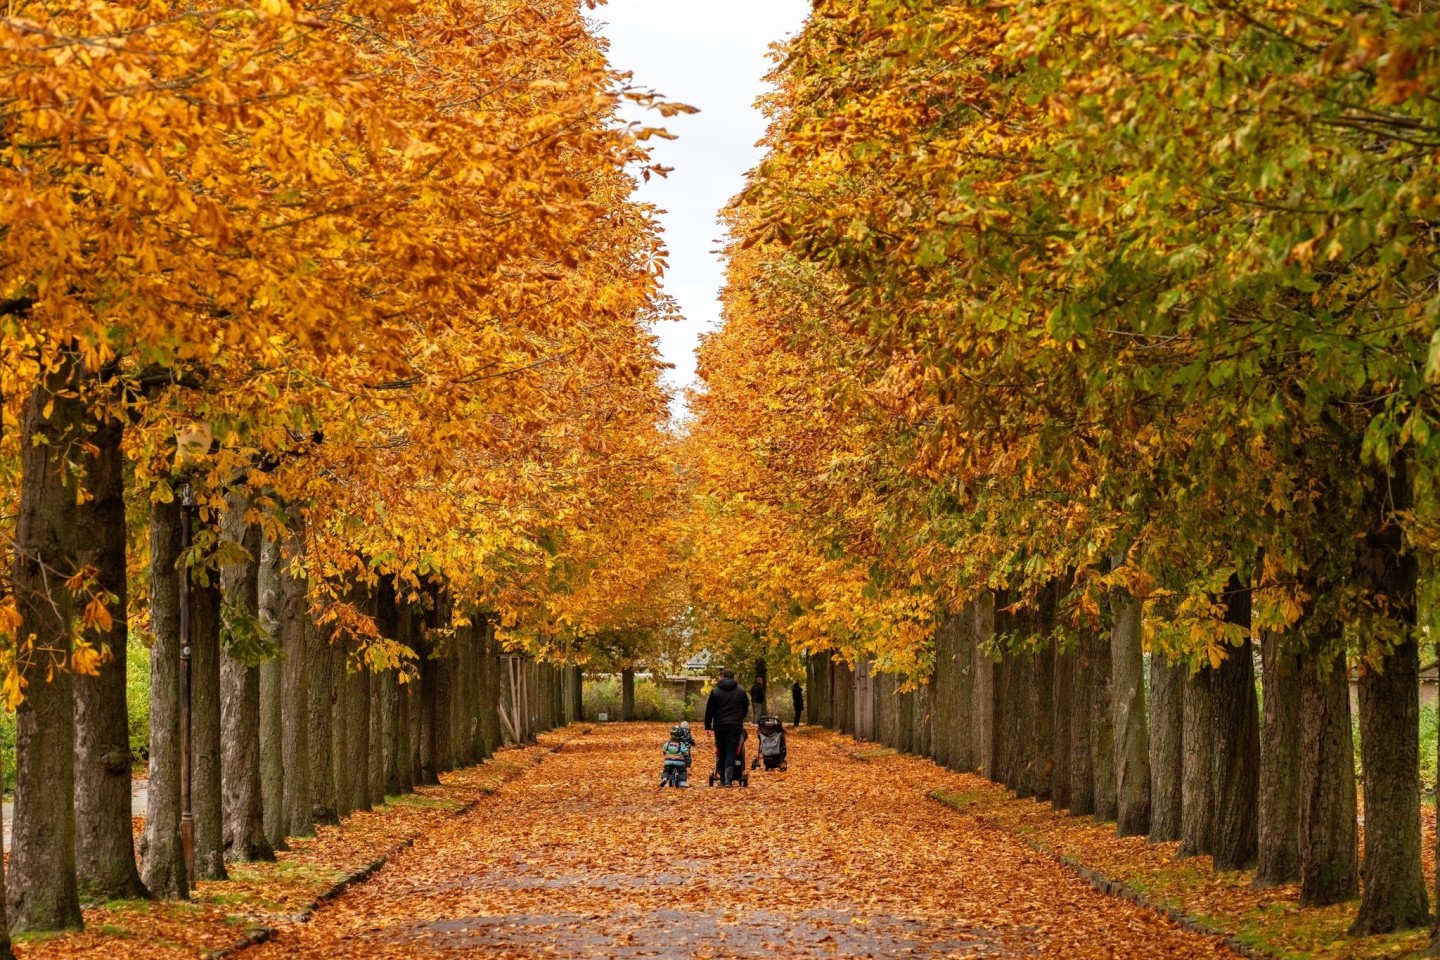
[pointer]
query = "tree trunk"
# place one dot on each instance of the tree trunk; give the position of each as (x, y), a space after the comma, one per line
(462, 737)
(886, 719)
(983, 719)
(1082, 770)
(844, 686)
(1279, 812)
(490, 690)
(1393, 894)
(272, 728)
(1167, 719)
(163, 863)
(205, 792)
(1025, 742)
(1197, 789)
(414, 719)
(389, 619)
(357, 719)
(375, 763)
(429, 694)
(245, 838)
(1102, 726)
(1003, 715)
(924, 711)
(627, 694)
(577, 694)
(392, 725)
(341, 771)
(1222, 725)
(321, 702)
(1329, 857)
(942, 681)
(295, 695)
(41, 892)
(444, 703)
(1237, 760)
(1127, 709)
(1062, 714)
(104, 846)
(1042, 670)
(961, 696)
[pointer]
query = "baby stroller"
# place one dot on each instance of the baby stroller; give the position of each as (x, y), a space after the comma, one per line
(772, 744)
(741, 777)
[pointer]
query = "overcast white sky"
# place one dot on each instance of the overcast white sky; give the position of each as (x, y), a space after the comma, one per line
(710, 54)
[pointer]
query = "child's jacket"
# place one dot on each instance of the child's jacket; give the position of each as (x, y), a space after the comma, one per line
(677, 752)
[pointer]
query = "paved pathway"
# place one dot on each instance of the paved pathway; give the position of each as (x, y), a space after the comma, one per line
(585, 857)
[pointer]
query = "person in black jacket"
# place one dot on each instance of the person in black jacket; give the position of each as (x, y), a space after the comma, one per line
(757, 696)
(725, 717)
(798, 699)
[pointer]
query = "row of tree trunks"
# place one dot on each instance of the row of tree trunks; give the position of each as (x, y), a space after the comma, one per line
(276, 743)
(1178, 757)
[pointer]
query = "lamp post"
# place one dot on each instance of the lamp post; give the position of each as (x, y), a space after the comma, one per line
(187, 818)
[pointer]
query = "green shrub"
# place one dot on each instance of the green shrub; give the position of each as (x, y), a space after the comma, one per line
(137, 696)
(603, 696)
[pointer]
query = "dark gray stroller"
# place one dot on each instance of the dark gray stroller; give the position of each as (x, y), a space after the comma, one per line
(772, 750)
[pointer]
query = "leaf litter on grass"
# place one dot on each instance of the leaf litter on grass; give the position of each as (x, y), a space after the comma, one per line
(273, 894)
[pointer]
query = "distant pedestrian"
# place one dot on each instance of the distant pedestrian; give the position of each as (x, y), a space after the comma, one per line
(797, 697)
(757, 696)
(725, 718)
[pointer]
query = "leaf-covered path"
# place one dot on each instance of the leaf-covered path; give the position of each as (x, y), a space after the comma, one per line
(585, 857)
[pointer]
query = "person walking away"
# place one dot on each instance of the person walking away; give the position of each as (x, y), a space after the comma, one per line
(757, 696)
(797, 697)
(725, 718)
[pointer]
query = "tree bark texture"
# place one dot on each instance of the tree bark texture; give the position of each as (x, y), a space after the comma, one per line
(41, 890)
(844, 685)
(205, 791)
(1279, 810)
(627, 694)
(104, 846)
(429, 695)
(272, 728)
(984, 690)
(1082, 770)
(444, 703)
(1042, 672)
(163, 864)
(1393, 895)
(1131, 730)
(1167, 719)
(1061, 713)
(1102, 725)
(245, 838)
(375, 762)
(357, 723)
(295, 696)
(320, 698)
(1237, 760)
(1329, 836)
(341, 772)
(490, 690)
